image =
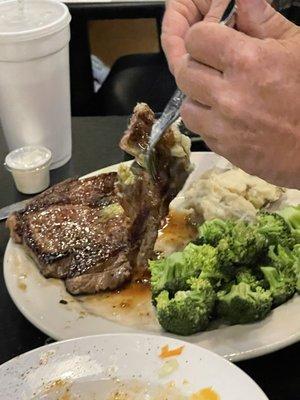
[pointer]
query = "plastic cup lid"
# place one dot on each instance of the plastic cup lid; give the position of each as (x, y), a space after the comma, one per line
(39, 18)
(28, 158)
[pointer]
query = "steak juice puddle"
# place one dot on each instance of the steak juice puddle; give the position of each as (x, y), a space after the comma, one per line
(128, 306)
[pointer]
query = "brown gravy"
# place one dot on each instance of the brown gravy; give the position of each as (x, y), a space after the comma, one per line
(130, 305)
(177, 232)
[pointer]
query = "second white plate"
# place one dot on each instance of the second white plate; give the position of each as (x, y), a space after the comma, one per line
(94, 367)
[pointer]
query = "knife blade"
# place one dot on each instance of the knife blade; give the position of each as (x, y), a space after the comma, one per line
(6, 211)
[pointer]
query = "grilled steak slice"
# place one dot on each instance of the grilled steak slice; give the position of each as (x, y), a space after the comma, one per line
(115, 272)
(77, 228)
(99, 232)
(96, 191)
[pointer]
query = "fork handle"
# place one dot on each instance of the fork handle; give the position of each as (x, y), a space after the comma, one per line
(228, 13)
(170, 114)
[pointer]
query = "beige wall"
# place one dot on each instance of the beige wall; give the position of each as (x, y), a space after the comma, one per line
(111, 39)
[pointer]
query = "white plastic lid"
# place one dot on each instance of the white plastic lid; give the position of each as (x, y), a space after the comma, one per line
(39, 18)
(28, 158)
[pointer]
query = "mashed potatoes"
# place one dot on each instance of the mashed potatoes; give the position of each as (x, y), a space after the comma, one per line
(230, 193)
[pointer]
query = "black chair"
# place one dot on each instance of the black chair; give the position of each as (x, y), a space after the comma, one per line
(84, 101)
(135, 78)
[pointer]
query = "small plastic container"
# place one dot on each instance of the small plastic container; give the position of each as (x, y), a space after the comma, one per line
(29, 167)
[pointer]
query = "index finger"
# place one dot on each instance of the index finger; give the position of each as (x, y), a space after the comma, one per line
(180, 15)
(216, 45)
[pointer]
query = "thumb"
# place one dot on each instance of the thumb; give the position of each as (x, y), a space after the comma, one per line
(259, 19)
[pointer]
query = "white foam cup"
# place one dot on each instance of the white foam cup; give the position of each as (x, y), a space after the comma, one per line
(34, 77)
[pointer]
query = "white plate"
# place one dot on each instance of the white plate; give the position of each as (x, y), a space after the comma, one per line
(38, 299)
(85, 365)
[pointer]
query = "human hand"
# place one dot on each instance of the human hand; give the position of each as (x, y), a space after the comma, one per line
(243, 91)
(180, 15)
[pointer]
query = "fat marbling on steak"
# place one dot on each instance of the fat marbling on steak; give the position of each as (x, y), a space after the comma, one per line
(97, 233)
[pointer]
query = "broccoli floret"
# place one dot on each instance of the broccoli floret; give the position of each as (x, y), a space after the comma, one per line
(189, 311)
(246, 275)
(172, 272)
(243, 305)
(282, 259)
(280, 273)
(282, 285)
(275, 229)
(211, 232)
(243, 246)
(206, 257)
(212, 269)
(200, 257)
(237, 242)
(291, 214)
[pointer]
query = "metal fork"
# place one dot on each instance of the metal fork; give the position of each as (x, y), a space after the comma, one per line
(172, 110)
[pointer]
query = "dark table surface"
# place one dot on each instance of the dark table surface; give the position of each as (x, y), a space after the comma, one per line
(95, 145)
